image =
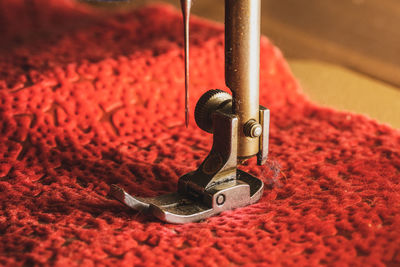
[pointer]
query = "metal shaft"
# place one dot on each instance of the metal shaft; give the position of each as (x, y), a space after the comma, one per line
(242, 66)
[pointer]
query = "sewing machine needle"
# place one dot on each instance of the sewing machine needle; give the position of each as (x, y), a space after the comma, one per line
(186, 5)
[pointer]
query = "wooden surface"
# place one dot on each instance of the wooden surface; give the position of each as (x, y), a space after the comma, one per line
(338, 87)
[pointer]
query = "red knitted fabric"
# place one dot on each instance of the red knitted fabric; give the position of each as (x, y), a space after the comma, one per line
(89, 99)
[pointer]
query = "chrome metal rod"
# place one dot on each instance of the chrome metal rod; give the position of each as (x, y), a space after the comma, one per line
(242, 66)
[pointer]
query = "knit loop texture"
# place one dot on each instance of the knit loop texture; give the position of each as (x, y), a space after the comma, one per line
(90, 98)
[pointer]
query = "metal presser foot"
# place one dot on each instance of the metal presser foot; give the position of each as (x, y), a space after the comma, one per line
(239, 125)
(217, 185)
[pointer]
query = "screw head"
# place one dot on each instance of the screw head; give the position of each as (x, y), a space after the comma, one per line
(220, 199)
(256, 130)
(252, 129)
(208, 103)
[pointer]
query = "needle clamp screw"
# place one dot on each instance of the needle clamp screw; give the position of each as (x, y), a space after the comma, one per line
(208, 103)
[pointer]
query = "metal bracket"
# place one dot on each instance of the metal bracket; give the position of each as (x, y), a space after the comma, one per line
(216, 186)
(264, 141)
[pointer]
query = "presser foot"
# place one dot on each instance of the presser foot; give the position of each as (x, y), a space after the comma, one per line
(179, 208)
(216, 186)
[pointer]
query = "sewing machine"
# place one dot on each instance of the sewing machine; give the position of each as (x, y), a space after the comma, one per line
(240, 128)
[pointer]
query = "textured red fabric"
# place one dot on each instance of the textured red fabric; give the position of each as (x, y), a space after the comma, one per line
(89, 99)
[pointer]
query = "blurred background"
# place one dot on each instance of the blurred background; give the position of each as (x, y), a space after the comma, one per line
(345, 53)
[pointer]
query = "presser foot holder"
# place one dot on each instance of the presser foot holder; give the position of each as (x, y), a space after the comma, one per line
(216, 186)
